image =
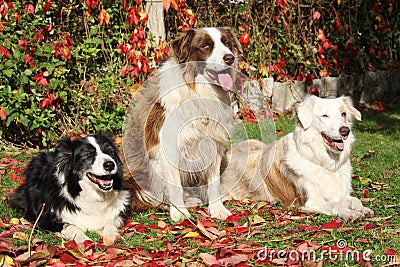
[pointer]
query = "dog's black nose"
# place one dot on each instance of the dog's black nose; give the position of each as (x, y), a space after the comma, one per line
(344, 131)
(109, 165)
(229, 59)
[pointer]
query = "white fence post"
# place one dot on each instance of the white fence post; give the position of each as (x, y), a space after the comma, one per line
(155, 23)
(330, 87)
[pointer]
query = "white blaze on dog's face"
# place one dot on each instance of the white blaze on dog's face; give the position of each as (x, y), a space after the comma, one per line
(215, 51)
(222, 53)
(102, 168)
(331, 118)
(222, 58)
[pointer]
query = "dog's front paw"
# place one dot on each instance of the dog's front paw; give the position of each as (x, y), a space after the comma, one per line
(218, 210)
(350, 215)
(178, 214)
(110, 239)
(110, 234)
(366, 211)
(357, 205)
(73, 232)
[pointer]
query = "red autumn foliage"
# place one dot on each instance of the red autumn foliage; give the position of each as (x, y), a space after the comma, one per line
(92, 3)
(317, 15)
(280, 3)
(337, 24)
(3, 113)
(41, 79)
(4, 51)
(49, 101)
(62, 48)
(313, 91)
(29, 9)
(103, 17)
(245, 39)
(47, 6)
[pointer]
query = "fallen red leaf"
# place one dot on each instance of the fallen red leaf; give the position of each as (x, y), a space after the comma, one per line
(233, 218)
(332, 225)
(67, 258)
(390, 252)
(366, 192)
(369, 226)
(208, 259)
(16, 177)
(234, 260)
(311, 228)
(245, 213)
(207, 223)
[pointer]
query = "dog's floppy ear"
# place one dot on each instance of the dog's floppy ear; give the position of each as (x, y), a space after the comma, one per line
(304, 111)
(348, 104)
(65, 165)
(181, 46)
(64, 153)
(106, 135)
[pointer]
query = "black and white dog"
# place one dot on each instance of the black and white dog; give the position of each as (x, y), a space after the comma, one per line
(81, 185)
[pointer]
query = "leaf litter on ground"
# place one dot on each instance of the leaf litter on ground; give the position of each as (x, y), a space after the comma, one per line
(257, 233)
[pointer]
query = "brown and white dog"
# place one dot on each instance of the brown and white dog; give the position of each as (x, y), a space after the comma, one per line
(309, 167)
(175, 136)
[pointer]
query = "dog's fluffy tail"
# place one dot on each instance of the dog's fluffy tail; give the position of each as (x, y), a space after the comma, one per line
(137, 184)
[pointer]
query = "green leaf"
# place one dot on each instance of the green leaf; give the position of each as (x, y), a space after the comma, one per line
(24, 79)
(34, 126)
(16, 54)
(11, 118)
(9, 73)
(50, 69)
(54, 83)
(24, 120)
(94, 30)
(364, 180)
(28, 72)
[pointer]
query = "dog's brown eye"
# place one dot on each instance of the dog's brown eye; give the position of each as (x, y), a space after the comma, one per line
(344, 114)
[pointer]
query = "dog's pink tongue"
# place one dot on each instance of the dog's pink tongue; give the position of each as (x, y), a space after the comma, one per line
(339, 145)
(225, 80)
(104, 182)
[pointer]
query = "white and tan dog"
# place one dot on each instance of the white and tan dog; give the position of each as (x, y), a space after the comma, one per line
(309, 167)
(175, 136)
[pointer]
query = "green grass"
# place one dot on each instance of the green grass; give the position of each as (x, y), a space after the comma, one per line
(376, 166)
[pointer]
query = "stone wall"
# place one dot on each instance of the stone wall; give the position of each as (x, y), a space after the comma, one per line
(363, 88)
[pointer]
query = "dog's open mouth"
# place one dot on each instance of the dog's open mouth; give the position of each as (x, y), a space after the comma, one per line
(336, 145)
(105, 182)
(222, 77)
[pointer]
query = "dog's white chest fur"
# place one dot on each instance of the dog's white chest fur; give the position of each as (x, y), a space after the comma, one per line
(333, 185)
(97, 209)
(196, 121)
